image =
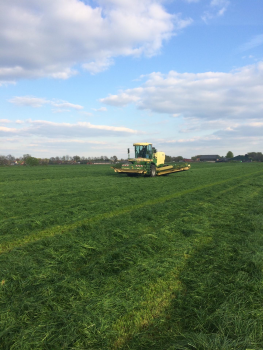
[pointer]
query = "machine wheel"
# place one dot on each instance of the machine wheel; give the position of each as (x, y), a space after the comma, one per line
(153, 171)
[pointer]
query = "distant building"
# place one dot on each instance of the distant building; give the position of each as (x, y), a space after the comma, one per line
(187, 160)
(222, 160)
(100, 161)
(209, 158)
(243, 159)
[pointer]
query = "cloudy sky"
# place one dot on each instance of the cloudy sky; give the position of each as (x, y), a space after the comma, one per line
(91, 77)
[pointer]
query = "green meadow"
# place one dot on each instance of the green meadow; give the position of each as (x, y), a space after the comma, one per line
(90, 259)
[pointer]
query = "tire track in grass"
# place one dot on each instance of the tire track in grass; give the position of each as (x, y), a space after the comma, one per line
(158, 296)
(8, 246)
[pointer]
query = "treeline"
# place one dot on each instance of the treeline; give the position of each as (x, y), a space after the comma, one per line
(77, 159)
(256, 156)
(27, 159)
(173, 159)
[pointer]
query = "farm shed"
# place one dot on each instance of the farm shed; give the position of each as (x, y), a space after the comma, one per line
(244, 158)
(209, 158)
(101, 161)
(222, 160)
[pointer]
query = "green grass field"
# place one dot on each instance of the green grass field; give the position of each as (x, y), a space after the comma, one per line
(95, 260)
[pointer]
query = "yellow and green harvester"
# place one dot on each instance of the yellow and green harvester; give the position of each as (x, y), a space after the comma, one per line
(149, 162)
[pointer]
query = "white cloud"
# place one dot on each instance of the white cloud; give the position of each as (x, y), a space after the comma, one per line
(219, 3)
(205, 96)
(254, 42)
(47, 147)
(5, 131)
(66, 104)
(121, 99)
(50, 38)
(45, 140)
(99, 65)
(196, 125)
(5, 121)
(5, 83)
(240, 139)
(217, 8)
(206, 16)
(88, 114)
(93, 142)
(190, 140)
(101, 109)
(28, 101)
(60, 110)
(221, 11)
(48, 129)
(245, 131)
(31, 101)
(10, 74)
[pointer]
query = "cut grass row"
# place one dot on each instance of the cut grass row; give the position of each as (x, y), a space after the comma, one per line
(219, 305)
(37, 213)
(151, 277)
(55, 230)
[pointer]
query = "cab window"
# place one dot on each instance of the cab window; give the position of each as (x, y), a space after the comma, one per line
(143, 151)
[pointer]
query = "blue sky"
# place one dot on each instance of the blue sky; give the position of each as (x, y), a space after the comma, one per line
(90, 78)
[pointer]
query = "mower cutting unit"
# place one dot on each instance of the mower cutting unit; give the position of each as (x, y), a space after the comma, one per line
(148, 162)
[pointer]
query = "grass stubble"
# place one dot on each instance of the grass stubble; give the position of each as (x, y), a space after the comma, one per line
(132, 264)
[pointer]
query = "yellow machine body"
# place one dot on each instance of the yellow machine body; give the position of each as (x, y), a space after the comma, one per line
(148, 162)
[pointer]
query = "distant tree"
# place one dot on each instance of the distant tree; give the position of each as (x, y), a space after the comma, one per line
(76, 158)
(10, 158)
(114, 159)
(3, 160)
(177, 159)
(83, 160)
(229, 154)
(168, 158)
(44, 161)
(31, 161)
(195, 157)
(256, 156)
(25, 156)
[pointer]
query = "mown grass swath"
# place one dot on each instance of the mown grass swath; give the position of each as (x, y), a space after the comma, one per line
(90, 259)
